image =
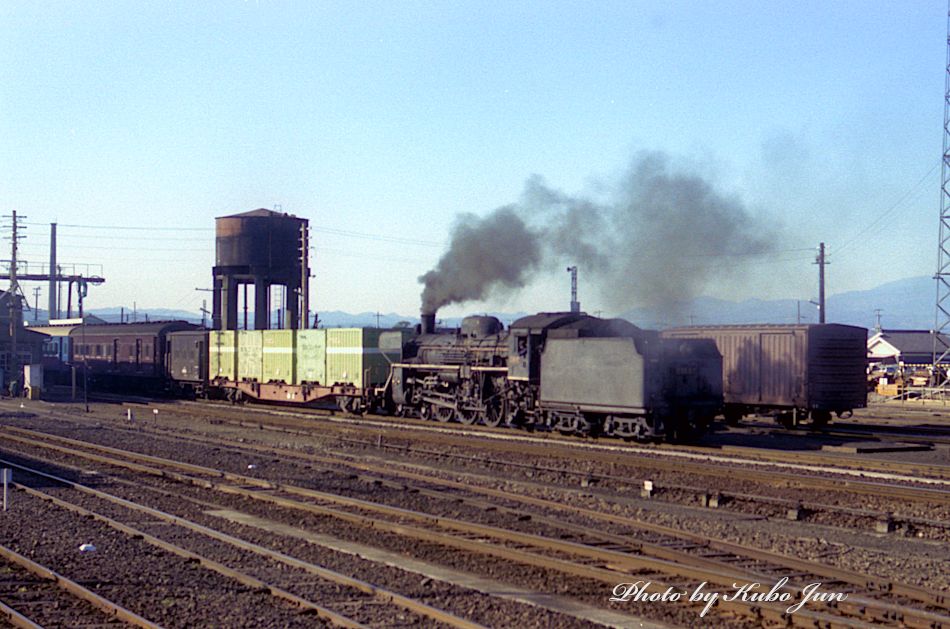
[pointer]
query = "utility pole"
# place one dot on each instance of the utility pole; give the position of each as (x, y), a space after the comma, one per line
(13, 295)
(36, 303)
(53, 273)
(821, 262)
(877, 313)
(204, 304)
(304, 310)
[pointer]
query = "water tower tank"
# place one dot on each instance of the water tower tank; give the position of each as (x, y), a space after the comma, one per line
(263, 248)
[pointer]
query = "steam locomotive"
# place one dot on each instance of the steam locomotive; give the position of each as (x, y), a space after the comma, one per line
(567, 371)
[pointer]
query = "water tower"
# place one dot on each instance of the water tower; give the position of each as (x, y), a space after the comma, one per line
(261, 248)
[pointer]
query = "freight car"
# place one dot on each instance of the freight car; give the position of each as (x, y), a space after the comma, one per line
(790, 371)
(338, 365)
(566, 371)
(125, 356)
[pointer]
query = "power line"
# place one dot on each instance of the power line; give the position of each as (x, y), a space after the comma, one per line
(746, 253)
(888, 211)
(324, 230)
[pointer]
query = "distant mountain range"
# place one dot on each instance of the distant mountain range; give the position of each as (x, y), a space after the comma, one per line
(904, 304)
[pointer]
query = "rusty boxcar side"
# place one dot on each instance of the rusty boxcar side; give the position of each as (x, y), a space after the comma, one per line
(790, 370)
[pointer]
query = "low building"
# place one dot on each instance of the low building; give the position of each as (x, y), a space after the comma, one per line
(29, 344)
(906, 348)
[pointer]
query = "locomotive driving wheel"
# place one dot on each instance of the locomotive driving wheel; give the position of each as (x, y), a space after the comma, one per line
(467, 417)
(443, 413)
(496, 413)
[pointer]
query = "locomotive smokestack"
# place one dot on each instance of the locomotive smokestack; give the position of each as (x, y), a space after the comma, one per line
(428, 323)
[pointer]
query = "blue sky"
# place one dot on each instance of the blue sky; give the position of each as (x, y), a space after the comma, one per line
(381, 122)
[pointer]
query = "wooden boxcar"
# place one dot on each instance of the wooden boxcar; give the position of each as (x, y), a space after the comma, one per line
(791, 371)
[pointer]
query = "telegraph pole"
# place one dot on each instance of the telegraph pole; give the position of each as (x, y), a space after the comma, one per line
(13, 293)
(821, 262)
(36, 303)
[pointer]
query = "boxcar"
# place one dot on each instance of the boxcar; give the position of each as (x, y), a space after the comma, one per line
(791, 371)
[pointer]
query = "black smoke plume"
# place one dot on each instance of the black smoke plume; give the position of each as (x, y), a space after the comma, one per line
(485, 254)
(656, 240)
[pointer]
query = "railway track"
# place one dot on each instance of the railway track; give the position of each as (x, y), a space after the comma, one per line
(432, 616)
(33, 596)
(890, 498)
(298, 419)
(354, 595)
(606, 558)
(857, 466)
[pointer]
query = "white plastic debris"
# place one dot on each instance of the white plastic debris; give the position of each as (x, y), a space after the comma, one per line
(22, 405)
(251, 466)
(87, 548)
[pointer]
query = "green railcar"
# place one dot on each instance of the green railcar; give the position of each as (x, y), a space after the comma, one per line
(311, 355)
(354, 357)
(250, 362)
(278, 360)
(222, 354)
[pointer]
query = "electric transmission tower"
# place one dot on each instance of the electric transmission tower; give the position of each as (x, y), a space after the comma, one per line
(942, 315)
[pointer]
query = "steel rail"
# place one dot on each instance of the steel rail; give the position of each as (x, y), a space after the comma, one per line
(928, 596)
(688, 458)
(471, 537)
(693, 459)
(244, 579)
(377, 592)
(756, 455)
(209, 505)
(781, 479)
(79, 591)
(16, 618)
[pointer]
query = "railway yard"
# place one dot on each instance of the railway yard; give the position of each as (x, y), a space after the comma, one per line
(180, 514)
